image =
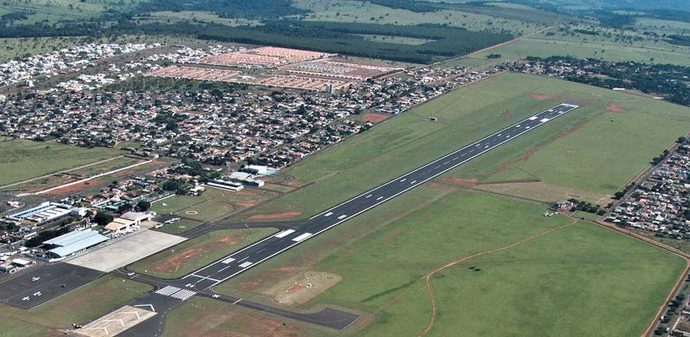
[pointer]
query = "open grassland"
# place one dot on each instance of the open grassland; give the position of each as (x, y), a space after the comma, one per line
(53, 11)
(202, 317)
(79, 306)
(524, 47)
(211, 205)
(190, 255)
(24, 159)
(598, 148)
(198, 16)
(365, 12)
(574, 151)
(537, 273)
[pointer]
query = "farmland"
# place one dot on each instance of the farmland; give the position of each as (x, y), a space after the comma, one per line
(528, 258)
(192, 254)
(406, 141)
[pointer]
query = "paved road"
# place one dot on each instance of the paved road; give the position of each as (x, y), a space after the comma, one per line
(201, 281)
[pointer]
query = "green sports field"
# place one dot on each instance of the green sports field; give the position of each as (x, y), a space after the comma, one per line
(596, 148)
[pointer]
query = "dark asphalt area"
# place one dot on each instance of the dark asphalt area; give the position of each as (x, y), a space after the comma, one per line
(39, 284)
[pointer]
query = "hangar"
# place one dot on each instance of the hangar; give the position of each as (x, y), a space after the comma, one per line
(72, 243)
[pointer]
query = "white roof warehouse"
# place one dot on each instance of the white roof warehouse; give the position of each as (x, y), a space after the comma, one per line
(73, 242)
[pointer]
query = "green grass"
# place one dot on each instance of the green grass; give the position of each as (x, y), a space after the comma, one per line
(211, 204)
(190, 255)
(180, 226)
(574, 151)
(395, 39)
(199, 16)
(23, 159)
(79, 306)
(524, 47)
(363, 12)
(579, 280)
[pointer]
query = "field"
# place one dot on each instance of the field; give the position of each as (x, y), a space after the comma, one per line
(602, 43)
(190, 255)
(24, 159)
(567, 152)
(79, 306)
(211, 205)
(579, 279)
(201, 317)
(365, 12)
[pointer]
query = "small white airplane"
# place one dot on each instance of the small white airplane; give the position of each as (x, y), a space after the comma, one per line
(35, 278)
(26, 298)
(38, 293)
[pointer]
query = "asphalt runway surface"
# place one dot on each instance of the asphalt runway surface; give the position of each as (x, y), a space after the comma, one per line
(39, 284)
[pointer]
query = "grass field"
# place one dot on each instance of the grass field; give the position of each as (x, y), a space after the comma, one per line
(567, 152)
(190, 255)
(23, 159)
(524, 47)
(210, 205)
(576, 278)
(203, 317)
(81, 305)
(364, 12)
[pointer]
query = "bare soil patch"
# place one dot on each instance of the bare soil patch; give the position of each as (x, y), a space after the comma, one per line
(460, 181)
(274, 216)
(505, 115)
(613, 107)
(538, 190)
(302, 287)
(539, 96)
(174, 262)
(374, 117)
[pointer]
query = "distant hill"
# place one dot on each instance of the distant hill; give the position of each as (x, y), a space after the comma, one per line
(614, 4)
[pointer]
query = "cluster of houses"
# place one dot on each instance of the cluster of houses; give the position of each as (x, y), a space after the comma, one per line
(660, 203)
(219, 127)
(72, 59)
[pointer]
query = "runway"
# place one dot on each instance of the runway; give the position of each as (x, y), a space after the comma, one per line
(170, 293)
(244, 259)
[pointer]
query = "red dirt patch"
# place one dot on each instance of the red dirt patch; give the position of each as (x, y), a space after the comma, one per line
(274, 216)
(294, 288)
(255, 283)
(174, 262)
(374, 117)
(462, 182)
(539, 96)
(75, 188)
(613, 107)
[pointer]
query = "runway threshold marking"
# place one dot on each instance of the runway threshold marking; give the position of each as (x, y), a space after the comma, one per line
(285, 233)
(302, 237)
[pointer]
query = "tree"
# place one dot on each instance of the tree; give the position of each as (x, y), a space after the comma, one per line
(103, 218)
(143, 205)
